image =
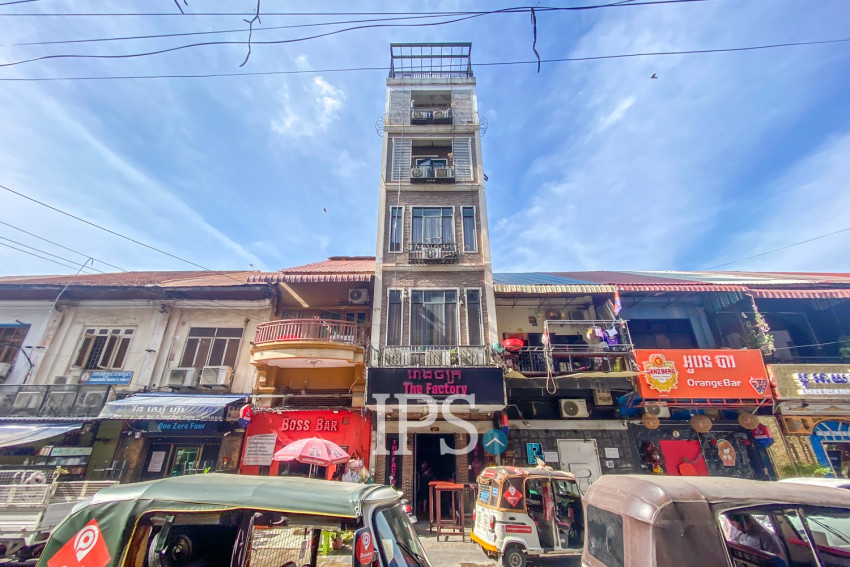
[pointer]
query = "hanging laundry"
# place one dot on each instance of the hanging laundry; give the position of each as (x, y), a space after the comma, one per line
(611, 336)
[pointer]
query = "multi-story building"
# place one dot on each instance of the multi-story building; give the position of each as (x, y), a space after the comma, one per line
(433, 315)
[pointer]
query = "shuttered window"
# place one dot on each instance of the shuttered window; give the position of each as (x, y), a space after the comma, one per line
(462, 158)
(402, 148)
(399, 109)
(463, 106)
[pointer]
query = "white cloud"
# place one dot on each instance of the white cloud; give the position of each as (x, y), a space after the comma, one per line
(617, 114)
(311, 112)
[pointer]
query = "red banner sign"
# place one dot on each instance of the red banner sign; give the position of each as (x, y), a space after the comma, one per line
(701, 374)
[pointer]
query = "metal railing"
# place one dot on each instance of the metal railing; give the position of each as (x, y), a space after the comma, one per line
(400, 356)
(433, 253)
(431, 114)
(323, 330)
(432, 174)
(60, 400)
(40, 495)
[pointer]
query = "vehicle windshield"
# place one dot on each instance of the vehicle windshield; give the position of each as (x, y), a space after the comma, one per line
(396, 539)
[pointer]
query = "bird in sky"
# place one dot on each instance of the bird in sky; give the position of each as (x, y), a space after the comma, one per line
(325, 210)
(653, 76)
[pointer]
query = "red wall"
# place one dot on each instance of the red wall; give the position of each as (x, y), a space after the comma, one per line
(348, 429)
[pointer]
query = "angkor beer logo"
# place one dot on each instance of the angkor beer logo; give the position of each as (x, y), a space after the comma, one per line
(660, 373)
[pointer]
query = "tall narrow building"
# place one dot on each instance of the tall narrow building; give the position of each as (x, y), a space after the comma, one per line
(434, 309)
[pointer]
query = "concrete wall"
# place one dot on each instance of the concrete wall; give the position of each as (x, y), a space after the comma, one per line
(42, 322)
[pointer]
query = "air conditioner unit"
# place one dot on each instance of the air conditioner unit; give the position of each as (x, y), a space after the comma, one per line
(65, 380)
(603, 398)
(420, 115)
(60, 400)
(5, 367)
(442, 172)
(658, 410)
(92, 399)
(181, 378)
(441, 113)
(416, 172)
(212, 376)
(28, 400)
(358, 296)
(573, 408)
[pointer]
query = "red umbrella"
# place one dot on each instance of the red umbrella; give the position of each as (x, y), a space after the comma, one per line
(313, 451)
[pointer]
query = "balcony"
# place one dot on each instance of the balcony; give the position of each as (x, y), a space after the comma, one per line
(431, 115)
(57, 401)
(402, 356)
(309, 343)
(432, 174)
(433, 254)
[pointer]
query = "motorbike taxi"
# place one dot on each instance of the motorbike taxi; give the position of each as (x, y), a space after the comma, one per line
(215, 520)
(523, 512)
(648, 521)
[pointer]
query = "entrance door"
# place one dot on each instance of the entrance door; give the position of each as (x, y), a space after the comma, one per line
(579, 456)
(159, 455)
(431, 464)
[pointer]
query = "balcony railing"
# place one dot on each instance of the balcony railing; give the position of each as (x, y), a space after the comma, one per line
(431, 174)
(433, 253)
(311, 330)
(431, 115)
(61, 400)
(399, 356)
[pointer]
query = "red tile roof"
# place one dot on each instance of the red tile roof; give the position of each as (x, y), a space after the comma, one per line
(334, 269)
(134, 279)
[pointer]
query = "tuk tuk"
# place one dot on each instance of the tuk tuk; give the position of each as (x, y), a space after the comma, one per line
(215, 520)
(523, 512)
(647, 521)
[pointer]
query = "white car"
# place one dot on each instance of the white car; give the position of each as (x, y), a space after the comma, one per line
(828, 482)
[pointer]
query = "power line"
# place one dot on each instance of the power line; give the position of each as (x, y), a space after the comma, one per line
(314, 14)
(43, 251)
(63, 247)
(16, 2)
(41, 257)
(384, 68)
(780, 249)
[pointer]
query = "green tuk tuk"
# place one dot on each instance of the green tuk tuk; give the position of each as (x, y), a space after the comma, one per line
(233, 521)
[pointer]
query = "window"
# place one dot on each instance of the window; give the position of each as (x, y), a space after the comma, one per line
(433, 318)
(662, 333)
(104, 348)
(396, 224)
(11, 340)
(208, 346)
(470, 234)
(433, 225)
(394, 318)
(473, 317)
(605, 536)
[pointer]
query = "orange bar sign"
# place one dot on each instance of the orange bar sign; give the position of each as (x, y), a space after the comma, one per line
(701, 374)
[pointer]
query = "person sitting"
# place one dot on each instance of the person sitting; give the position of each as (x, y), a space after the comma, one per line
(746, 530)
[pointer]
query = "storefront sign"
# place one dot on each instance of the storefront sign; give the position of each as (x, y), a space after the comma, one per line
(259, 449)
(182, 427)
(170, 407)
(486, 384)
(70, 451)
(822, 384)
(794, 381)
(105, 377)
(533, 452)
(700, 374)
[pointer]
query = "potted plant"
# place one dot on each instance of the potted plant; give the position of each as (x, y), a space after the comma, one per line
(336, 539)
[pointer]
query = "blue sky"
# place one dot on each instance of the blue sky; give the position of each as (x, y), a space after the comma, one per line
(591, 165)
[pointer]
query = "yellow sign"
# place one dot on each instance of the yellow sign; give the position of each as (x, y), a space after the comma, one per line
(660, 373)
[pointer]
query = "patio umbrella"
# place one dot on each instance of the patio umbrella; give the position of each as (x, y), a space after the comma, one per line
(313, 451)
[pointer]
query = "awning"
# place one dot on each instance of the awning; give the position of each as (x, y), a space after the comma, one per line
(690, 288)
(19, 434)
(553, 289)
(173, 407)
(801, 293)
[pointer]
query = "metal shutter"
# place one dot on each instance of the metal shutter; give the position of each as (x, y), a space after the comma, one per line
(462, 158)
(402, 148)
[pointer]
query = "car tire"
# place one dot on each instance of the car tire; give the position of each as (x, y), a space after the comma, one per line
(514, 557)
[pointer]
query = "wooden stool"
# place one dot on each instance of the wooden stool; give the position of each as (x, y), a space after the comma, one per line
(456, 523)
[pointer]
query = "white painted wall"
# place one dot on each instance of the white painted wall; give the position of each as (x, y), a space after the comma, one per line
(515, 319)
(37, 315)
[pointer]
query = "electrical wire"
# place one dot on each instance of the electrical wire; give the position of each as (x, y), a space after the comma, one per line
(779, 249)
(42, 251)
(105, 263)
(38, 256)
(384, 68)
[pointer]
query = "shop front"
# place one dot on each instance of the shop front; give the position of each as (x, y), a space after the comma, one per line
(425, 421)
(813, 405)
(166, 435)
(273, 429)
(701, 413)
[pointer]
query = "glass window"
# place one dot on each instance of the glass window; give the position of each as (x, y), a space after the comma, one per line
(605, 536)
(433, 318)
(103, 349)
(432, 225)
(473, 317)
(394, 318)
(11, 339)
(207, 346)
(396, 540)
(395, 228)
(470, 235)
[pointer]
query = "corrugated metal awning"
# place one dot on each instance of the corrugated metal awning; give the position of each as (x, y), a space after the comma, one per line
(551, 289)
(12, 435)
(801, 293)
(683, 288)
(171, 407)
(310, 278)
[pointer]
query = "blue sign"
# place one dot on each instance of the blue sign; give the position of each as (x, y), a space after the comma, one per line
(495, 442)
(534, 451)
(485, 496)
(105, 377)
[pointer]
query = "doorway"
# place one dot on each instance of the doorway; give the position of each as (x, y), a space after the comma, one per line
(580, 457)
(432, 465)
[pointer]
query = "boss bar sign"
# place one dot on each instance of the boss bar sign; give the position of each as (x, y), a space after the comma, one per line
(321, 424)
